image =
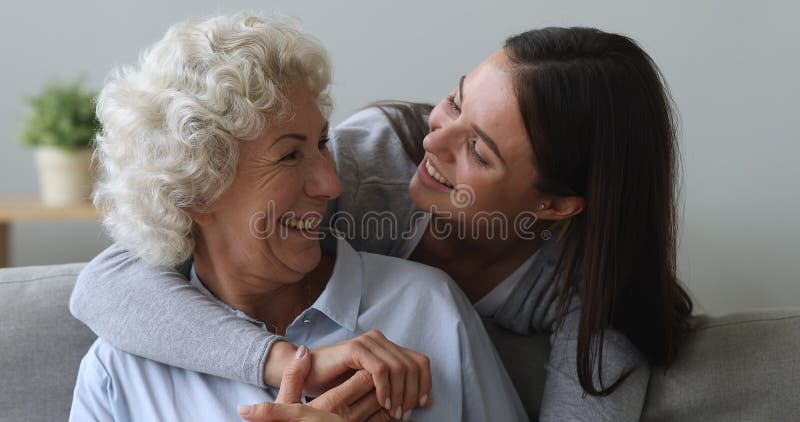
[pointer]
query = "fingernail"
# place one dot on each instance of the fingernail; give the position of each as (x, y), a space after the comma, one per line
(423, 400)
(244, 409)
(301, 352)
(388, 405)
(407, 416)
(398, 413)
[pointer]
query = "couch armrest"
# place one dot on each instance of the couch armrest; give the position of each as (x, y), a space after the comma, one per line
(739, 367)
(41, 345)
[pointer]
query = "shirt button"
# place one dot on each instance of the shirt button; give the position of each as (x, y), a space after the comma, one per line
(306, 321)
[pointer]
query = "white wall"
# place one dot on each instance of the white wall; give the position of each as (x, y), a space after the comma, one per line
(732, 65)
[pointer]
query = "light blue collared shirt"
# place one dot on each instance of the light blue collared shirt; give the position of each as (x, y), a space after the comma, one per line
(415, 306)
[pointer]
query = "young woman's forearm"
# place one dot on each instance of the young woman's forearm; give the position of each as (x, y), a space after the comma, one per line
(155, 313)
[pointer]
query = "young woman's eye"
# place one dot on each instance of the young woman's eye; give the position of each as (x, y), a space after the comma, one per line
(451, 99)
(474, 152)
(323, 143)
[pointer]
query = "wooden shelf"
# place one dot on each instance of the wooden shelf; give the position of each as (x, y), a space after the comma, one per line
(19, 208)
(30, 208)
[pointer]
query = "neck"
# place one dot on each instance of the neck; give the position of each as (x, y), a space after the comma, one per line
(275, 302)
(476, 264)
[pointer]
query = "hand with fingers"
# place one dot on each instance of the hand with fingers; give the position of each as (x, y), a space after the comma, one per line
(352, 401)
(401, 377)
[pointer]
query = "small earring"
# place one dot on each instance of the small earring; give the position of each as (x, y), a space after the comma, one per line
(542, 206)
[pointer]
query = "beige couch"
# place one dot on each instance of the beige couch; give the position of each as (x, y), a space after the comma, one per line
(743, 367)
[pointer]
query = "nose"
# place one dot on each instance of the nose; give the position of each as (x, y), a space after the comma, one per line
(322, 181)
(443, 136)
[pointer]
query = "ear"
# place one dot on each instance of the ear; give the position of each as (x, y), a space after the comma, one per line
(201, 217)
(560, 207)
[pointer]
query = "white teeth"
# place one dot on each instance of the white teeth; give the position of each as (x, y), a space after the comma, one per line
(308, 223)
(435, 174)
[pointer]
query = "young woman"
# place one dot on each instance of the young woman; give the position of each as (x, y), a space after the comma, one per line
(565, 136)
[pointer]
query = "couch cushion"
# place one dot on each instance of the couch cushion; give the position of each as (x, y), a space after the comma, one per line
(740, 367)
(42, 345)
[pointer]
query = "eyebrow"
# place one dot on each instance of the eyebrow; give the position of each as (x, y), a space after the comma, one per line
(486, 138)
(299, 136)
(290, 136)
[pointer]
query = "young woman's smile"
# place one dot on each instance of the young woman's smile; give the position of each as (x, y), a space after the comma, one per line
(478, 141)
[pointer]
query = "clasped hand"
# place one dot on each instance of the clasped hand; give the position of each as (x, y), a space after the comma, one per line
(382, 381)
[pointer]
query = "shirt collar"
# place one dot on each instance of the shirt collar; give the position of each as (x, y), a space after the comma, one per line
(341, 299)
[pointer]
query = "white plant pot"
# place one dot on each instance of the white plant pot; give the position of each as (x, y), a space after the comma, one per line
(65, 176)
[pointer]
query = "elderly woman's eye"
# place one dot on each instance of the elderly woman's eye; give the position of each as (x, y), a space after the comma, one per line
(290, 157)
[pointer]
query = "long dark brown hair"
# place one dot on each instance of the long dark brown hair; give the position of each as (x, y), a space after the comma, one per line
(601, 123)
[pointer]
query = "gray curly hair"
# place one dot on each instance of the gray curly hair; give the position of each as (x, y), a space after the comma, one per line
(171, 126)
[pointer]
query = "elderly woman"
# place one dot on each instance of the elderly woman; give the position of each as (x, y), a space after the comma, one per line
(214, 149)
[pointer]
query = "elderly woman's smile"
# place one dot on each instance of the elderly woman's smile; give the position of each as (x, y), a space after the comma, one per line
(286, 175)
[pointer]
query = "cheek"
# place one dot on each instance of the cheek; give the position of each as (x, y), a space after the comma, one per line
(487, 200)
(234, 211)
(261, 224)
(253, 216)
(482, 184)
(279, 193)
(490, 193)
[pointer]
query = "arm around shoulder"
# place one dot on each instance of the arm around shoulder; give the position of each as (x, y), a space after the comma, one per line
(155, 313)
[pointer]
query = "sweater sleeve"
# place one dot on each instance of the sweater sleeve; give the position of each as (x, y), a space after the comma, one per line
(564, 398)
(155, 313)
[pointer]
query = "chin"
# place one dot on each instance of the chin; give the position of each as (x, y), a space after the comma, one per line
(308, 259)
(419, 195)
(425, 200)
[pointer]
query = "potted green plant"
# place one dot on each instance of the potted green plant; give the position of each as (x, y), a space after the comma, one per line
(61, 126)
